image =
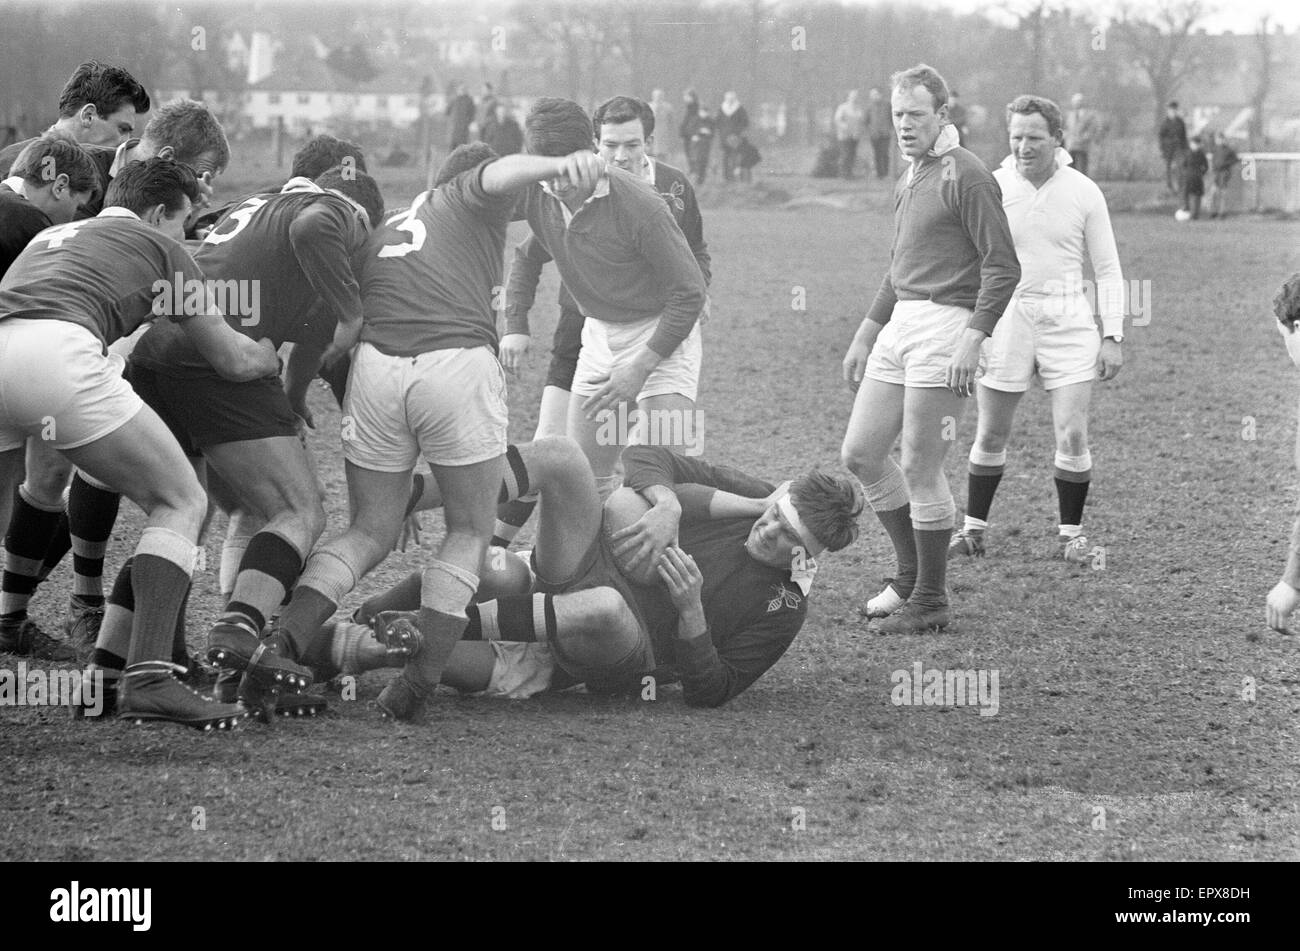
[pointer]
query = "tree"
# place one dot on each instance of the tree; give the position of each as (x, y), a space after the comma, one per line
(1264, 47)
(1163, 45)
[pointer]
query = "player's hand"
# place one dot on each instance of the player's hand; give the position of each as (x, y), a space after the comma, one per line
(683, 579)
(855, 361)
(514, 351)
(582, 169)
(1282, 602)
(621, 386)
(268, 358)
(206, 191)
(647, 538)
(411, 529)
(1110, 361)
(965, 365)
(776, 494)
(345, 338)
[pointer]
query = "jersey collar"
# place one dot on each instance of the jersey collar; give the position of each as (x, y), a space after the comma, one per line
(117, 211)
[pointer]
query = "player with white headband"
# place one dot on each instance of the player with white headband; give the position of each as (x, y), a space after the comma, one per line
(690, 572)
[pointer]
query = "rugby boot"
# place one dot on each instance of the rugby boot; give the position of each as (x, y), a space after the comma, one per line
(152, 691)
(82, 625)
(1075, 551)
(27, 639)
(232, 643)
(403, 698)
(913, 618)
(79, 703)
(969, 542)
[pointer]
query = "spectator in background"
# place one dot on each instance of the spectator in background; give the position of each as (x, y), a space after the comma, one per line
(690, 112)
(1194, 167)
(1173, 143)
(850, 121)
(880, 126)
(699, 133)
(663, 110)
(733, 123)
(507, 138)
(957, 116)
(487, 101)
(460, 110)
(1082, 128)
(1223, 160)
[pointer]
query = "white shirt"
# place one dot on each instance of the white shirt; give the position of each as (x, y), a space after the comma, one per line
(1051, 226)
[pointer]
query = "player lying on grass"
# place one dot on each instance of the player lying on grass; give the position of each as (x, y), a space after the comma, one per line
(690, 571)
(75, 290)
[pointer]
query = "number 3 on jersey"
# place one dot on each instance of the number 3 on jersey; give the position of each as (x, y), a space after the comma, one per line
(408, 222)
(240, 216)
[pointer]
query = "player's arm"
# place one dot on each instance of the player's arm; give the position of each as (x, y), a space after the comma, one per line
(513, 172)
(712, 676)
(233, 355)
(693, 229)
(882, 308)
(521, 288)
(299, 370)
(1100, 240)
(323, 236)
(985, 223)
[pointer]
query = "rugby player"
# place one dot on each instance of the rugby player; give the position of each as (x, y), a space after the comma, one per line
(1284, 598)
(44, 189)
(914, 359)
(1048, 329)
(624, 136)
(712, 591)
(426, 381)
(41, 530)
(99, 105)
(76, 289)
(284, 262)
(630, 270)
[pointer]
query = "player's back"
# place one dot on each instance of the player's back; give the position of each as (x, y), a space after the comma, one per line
(102, 273)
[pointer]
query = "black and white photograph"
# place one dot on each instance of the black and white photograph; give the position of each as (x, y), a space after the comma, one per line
(650, 430)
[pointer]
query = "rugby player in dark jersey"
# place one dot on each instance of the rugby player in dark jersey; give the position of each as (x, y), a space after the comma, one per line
(282, 266)
(426, 382)
(77, 288)
(691, 571)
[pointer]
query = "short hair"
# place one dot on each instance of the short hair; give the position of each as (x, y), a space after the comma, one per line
(462, 159)
(190, 129)
(1029, 105)
(107, 88)
(358, 186)
(155, 181)
(557, 127)
(620, 109)
(1196, 139)
(922, 75)
(829, 506)
(322, 153)
(1173, 104)
(48, 157)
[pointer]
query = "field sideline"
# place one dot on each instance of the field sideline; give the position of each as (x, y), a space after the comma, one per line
(1121, 689)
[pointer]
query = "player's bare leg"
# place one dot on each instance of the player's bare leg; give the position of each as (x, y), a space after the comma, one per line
(930, 415)
(448, 584)
(277, 485)
(552, 420)
(874, 426)
(670, 420)
(1073, 466)
(988, 461)
(143, 458)
(602, 453)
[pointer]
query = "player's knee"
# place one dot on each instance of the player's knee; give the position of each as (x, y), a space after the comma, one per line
(862, 464)
(46, 483)
(1072, 440)
(312, 519)
(611, 630)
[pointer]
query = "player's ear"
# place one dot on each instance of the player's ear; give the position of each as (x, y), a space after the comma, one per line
(649, 140)
(166, 152)
(60, 187)
(87, 113)
(154, 216)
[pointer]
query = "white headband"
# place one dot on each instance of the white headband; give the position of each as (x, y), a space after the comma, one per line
(810, 543)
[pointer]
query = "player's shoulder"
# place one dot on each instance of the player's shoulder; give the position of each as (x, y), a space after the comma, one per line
(969, 168)
(631, 188)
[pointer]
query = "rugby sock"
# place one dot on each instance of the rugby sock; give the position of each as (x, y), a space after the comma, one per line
(160, 577)
(115, 631)
(60, 543)
(92, 512)
(984, 474)
(180, 647)
(605, 485)
(232, 554)
(26, 543)
(268, 571)
(444, 594)
(1073, 476)
(511, 517)
(325, 581)
(888, 499)
(932, 524)
(514, 480)
(515, 617)
(403, 596)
